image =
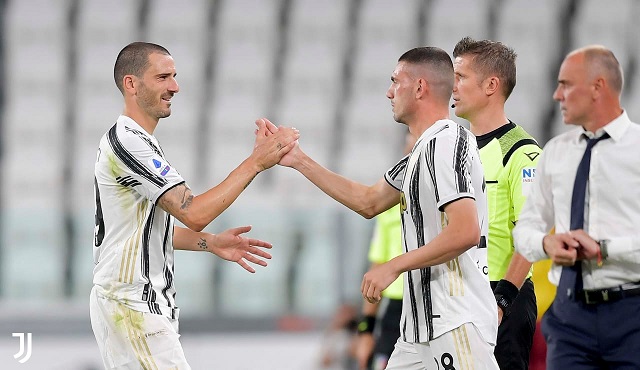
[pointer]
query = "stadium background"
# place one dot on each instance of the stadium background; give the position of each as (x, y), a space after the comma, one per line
(322, 66)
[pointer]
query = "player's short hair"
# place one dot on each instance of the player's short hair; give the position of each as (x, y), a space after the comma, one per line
(602, 60)
(133, 59)
(439, 65)
(490, 58)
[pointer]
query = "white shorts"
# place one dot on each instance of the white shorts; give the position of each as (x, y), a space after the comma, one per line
(460, 349)
(131, 339)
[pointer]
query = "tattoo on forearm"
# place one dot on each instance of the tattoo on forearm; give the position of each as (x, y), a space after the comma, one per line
(247, 185)
(187, 198)
(202, 244)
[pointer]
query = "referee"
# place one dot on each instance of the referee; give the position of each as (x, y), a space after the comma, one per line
(485, 77)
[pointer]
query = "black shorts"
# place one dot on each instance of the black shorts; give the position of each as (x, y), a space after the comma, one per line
(515, 333)
(387, 333)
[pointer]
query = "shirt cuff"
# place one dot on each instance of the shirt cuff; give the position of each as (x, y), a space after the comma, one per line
(622, 248)
(532, 249)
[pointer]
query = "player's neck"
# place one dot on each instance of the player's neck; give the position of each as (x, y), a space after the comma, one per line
(426, 119)
(487, 120)
(145, 121)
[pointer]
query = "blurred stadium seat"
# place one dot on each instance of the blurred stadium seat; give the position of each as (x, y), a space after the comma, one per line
(36, 43)
(524, 25)
(450, 20)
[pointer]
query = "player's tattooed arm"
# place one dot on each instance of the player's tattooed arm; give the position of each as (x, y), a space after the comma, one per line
(177, 200)
(187, 197)
(250, 181)
(202, 243)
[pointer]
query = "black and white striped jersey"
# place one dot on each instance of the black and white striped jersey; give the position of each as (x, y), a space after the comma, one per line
(133, 244)
(443, 167)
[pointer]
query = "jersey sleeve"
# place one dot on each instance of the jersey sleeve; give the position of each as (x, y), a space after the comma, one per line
(396, 173)
(449, 168)
(522, 173)
(145, 168)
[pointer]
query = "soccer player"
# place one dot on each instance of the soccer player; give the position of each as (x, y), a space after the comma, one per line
(449, 317)
(138, 195)
(485, 77)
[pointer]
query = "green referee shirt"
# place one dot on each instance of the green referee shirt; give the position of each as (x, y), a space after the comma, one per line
(509, 157)
(387, 244)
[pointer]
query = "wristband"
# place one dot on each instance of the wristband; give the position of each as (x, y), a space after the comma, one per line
(505, 293)
(366, 324)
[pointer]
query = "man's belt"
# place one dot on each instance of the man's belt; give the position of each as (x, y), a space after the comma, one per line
(613, 294)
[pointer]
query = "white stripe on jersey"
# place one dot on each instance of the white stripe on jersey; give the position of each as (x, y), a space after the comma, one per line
(133, 245)
(443, 167)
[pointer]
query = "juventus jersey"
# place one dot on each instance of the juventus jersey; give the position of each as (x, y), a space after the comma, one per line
(443, 167)
(133, 250)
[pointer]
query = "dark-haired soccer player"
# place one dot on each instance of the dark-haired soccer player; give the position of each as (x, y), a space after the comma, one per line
(449, 317)
(138, 196)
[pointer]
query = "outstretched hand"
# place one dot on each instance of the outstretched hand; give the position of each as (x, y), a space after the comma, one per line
(269, 146)
(231, 246)
(266, 128)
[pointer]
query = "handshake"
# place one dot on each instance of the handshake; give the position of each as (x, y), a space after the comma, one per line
(275, 145)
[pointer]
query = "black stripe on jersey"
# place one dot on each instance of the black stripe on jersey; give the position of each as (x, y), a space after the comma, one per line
(414, 202)
(144, 265)
(154, 308)
(149, 294)
(441, 129)
(128, 181)
(130, 161)
(403, 332)
(414, 308)
(460, 160)
(430, 154)
(418, 221)
(399, 167)
(403, 324)
(515, 147)
(425, 277)
(99, 218)
(146, 139)
(168, 276)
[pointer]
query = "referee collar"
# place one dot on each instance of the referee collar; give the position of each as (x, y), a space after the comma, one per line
(485, 139)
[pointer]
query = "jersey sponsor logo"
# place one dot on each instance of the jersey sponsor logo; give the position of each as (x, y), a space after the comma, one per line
(165, 170)
(528, 176)
(533, 155)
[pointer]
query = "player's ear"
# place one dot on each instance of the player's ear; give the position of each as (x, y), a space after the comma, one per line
(128, 84)
(421, 87)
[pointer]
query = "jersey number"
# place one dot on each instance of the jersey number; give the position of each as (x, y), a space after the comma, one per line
(98, 232)
(446, 360)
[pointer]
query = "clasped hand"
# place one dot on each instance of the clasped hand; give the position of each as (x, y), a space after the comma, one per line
(273, 143)
(567, 248)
